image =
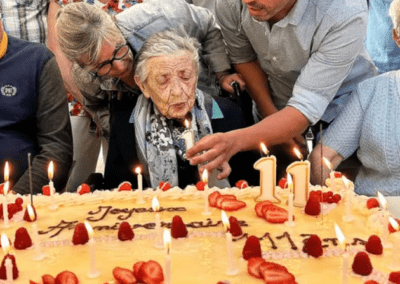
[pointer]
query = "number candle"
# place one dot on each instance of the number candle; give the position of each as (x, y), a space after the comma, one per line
(231, 266)
(140, 199)
(300, 172)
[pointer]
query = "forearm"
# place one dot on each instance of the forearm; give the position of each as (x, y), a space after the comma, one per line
(319, 169)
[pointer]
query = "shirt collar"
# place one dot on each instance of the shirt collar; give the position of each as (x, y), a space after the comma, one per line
(3, 45)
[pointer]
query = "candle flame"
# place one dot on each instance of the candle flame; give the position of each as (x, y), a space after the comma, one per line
(382, 201)
(138, 170)
(187, 123)
(298, 154)
(155, 204)
(341, 238)
(31, 213)
(225, 220)
(394, 224)
(89, 229)
(264, 148)
(167, 240)
(346, 182)
(6, 187)
(51, 170)
(290, 182)
(6, 172)
(5, 243)
(328, 164)
(204, 176)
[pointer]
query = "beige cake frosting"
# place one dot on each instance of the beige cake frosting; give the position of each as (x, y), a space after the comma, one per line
(201, 257)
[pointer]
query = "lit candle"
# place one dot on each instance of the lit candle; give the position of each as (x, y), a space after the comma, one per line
(231, 266)
(53, 205)
(188, 136)
(156, 208)
(140, 199)
(395, 252)
(331, 174)
(5, 203)
(300, 172)
(167, 245)
(384, 206)
(348, 217)
(93, 272)
(342, 242)
(39, 255)
(290, 222)
(267, 168)
(5, 244)
(205, 180)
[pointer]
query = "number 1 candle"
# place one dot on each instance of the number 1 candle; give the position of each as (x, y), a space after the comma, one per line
(300, 172)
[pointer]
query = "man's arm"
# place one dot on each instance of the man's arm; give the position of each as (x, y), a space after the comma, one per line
(53, 133)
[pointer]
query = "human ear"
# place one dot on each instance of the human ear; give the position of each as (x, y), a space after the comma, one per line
(141, 86)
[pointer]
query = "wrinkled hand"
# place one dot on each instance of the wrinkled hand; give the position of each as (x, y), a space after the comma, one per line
(225, 82)
(218, 151)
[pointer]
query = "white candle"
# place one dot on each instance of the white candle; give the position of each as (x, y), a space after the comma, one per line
(267, 168)
(39, 255)
(93, 272)
(348, 217)
(205, 180)
(342, 240)
(5, 244)
(300, 172)
(385, 214)
(188, 136)
(159, 238)
(167, 244)
(395, 252)
(231, 265)
(5, 204)
(53, 205)
(290, 222)
(140, 199)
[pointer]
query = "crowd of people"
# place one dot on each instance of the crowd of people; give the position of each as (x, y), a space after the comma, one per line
(135, 71)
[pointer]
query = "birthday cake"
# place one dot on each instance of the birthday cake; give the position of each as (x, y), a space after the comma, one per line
(203, 256)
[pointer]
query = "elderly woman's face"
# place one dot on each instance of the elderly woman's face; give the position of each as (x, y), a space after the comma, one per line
(171, 84)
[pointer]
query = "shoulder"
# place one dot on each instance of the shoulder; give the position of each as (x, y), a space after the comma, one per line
(340, 10)
(378, 87)
(31, 51)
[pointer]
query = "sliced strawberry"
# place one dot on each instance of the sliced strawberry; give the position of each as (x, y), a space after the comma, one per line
(313, 206)
(48, 279)
(83, 188)
(125, 186)
(178, 228)
(374, 245)
(313, 246)
(66, 277)
(394, 277)
(337, 174)
(252, 248)
(136, 268)
(265, 209)
(253, 266)
(22, 239)
(151, 272)
(164, 186)
(46, 190)
(276, 215)
(241, 184)
(374, 282)
(232, 205)
(275, 273)
(33, 282)
(234, 227)
(125, 232)
(124, 276)
(81, 235)
(372, 203)
(212, 198)
(200, 185)
(27, 217)
(224, 197)
(283, 183)
(3, 274)
(362, 264)
(259, 206)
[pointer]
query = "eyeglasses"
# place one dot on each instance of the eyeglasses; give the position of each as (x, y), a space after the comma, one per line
(105, 68)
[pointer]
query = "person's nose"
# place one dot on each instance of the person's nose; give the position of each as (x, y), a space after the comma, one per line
(119, 65)
(176, 86)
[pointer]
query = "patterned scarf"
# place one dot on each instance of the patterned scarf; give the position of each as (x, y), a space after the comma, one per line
(158, 139)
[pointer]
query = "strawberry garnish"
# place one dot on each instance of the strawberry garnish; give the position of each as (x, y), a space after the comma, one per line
(19, 201)
(317, 194)
(151, 272)
(259, 206)
(253, 266)
(125, 186)
(326, 195)
(313, 246)
(46, 190)
(372, 203)
(136, 268)
(124, 276)
(362, 264)
(232, 205)
(81, 235)
(241, 184)
(48, 279)
(234, 227)
(313, 206)
(276, 215)
(1, 188)
(283, 183)
(372, 282)
(27, 217)
(125, 232)
(33, 282)
(224, 197)
(337, 174)
(178, 228)
(3, 274)
(374, 245)
(83, 188)
(66, 277)
(22, 239)
(200, 185)
(336, 198)
(276, 273)
(394, 277)
(164, 186)
(252, 248)
(212, 198)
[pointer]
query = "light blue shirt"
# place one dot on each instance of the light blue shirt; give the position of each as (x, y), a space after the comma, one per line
(370, 124)
(312, 55)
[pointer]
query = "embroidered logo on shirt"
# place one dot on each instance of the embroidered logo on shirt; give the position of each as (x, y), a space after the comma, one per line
(8, 91)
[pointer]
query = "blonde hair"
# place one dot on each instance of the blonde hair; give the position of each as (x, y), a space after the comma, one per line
(394, 13)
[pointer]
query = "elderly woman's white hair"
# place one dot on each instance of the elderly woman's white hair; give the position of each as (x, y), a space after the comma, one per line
(163, 44)
(394, 13)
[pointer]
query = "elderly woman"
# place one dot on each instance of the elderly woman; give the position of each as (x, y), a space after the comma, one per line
(369, 125)
(150, 136)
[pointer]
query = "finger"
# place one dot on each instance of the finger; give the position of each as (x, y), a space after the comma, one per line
(214, 164)
(203, 144)
(226, 170)
(204, 158)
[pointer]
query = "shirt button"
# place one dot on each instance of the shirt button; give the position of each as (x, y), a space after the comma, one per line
(274, 58)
